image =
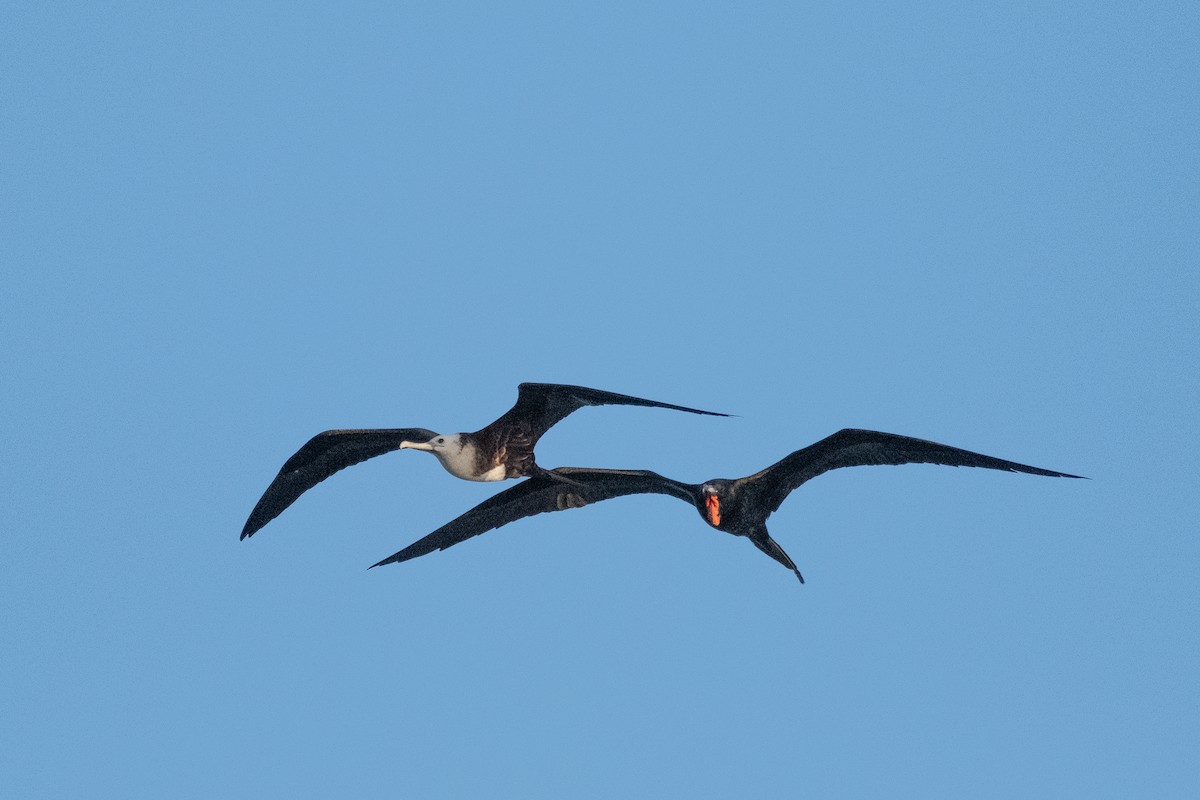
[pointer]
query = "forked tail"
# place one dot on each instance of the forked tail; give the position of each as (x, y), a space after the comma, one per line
(763, 541)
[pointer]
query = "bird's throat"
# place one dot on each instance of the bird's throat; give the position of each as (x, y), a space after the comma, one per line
(712, 510)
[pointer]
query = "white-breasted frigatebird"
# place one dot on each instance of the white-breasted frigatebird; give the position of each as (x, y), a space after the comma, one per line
(502, 450)
(739, 506)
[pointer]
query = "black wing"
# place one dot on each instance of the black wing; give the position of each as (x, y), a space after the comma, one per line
(541, 405)
(325, 454)
(857, 448)
(541, 494)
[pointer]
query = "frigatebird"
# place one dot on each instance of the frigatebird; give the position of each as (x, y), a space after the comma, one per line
(503, 449)
(739, 506)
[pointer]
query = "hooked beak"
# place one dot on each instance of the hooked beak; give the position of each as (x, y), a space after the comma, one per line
(416, 446)
(712, 509)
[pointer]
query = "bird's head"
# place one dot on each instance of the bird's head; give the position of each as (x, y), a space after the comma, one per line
(438, 444)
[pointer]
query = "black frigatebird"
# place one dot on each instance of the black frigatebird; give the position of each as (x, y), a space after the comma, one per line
(739, 506)
(502, 450)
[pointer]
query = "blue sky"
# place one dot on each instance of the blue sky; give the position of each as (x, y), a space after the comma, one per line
(226, 228)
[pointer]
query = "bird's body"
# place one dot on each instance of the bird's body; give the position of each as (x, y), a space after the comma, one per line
(464, 457)
(738, 506)
(501, 450)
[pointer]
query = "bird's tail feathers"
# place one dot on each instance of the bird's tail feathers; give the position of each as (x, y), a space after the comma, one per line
(763, 541)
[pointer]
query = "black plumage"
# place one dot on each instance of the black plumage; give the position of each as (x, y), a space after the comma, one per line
(738, 506)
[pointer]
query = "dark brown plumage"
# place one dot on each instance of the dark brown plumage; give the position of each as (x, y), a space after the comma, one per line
(503, 449)
(740, 506)
(320, 457)
(510, 440)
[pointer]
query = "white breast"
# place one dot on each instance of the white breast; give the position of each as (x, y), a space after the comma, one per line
(496, 473)
(459, 459)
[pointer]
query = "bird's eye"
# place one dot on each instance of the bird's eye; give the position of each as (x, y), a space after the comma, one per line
(441, 441)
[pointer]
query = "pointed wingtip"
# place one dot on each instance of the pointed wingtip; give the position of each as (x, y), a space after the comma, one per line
(254, 524)
(1068, 475)
(696, 411)
(801, 577)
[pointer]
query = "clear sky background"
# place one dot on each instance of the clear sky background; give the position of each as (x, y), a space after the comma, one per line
(228, 226)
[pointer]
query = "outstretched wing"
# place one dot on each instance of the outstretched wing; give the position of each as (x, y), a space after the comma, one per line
(325, 454)
(857, 448)
(541, 405)
(576, 487)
